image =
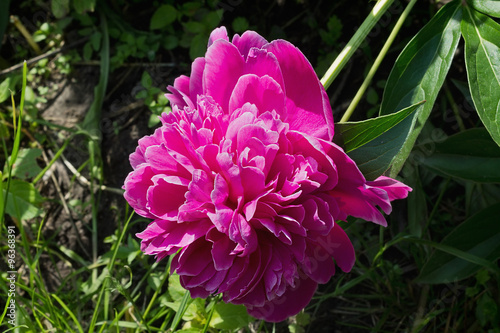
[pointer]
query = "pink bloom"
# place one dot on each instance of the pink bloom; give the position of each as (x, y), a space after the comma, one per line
(243, 183)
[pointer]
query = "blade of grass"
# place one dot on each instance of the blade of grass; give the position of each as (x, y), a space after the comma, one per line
(377, 62)
(211, 313)
(157, 291)
(109, 268)
(91, 125)
(17, 139)
(186, 301)
(353, 44)
(68, 311)
(47, 167)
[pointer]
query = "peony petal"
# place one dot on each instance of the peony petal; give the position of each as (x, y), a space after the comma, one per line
(352, 201)
(196, 79)
(307, 111)
(221, 249)
(136, 187)
(287, 305)
(161, 161)
(224, 65)
(264, 92)
(394, 188)
(340, 247)
(175, 235)
(179, 92)
(217, 33)
(261, 63)
(166, 196)
(248, 40)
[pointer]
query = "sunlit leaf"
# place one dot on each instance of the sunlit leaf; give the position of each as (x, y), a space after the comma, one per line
(355, 134)
(490, 7)
(418, 74)
(230, 317)
(26, 165)
(482, 60)
(23, 201)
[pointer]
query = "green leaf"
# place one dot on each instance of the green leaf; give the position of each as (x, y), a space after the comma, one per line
(486, 309)
(83, 6)
(198, 46)
(60, 8)
(490, 7)
(163, 16)
(418, 74)
(26, 166)
(146, 80)
(469, 155)
(8, 85)
(170, 42)
(240, 24)
(194, 27)
(23, 200)
(95, 40)
(355, 134)
(479, 236)
(230, 317)
(482, 60)
(5, 89)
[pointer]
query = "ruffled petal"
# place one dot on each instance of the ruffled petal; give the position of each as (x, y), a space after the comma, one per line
(248, 40)
(223, 67)
(288, 304)
(264, 92)
(393, 188)
(307, 111)
(217, 33)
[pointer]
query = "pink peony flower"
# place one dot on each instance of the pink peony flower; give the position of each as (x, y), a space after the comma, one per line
(243, 183)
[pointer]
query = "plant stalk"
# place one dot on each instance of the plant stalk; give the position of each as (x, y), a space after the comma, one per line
(377, 62)
(339, 63)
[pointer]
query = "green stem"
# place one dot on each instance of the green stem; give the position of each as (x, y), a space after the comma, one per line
(377, 62)
(378, 10)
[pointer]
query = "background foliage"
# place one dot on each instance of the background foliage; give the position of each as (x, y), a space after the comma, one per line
(94, 84)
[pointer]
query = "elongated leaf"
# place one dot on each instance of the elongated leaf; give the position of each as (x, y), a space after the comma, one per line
(376, 156)
(353, 135)
(490, 7)
(482, 60)
(470, 155)
(479, 236)
(23, 200)
(418, 74)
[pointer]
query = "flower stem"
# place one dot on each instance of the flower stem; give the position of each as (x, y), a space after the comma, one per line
(377, 62)
(380, 7)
